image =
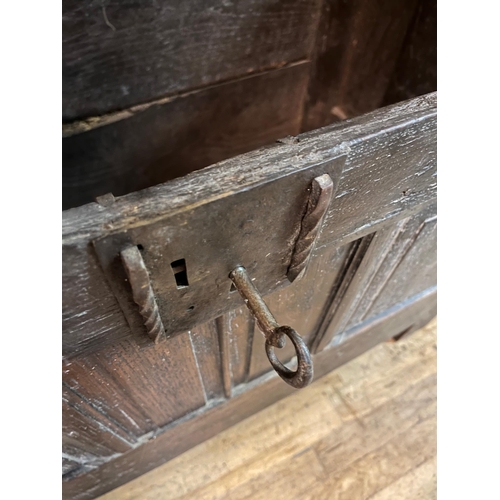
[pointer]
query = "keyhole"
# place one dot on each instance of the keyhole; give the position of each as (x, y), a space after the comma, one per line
(180, 273)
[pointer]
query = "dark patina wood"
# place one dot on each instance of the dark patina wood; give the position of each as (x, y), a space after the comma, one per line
(153, 91)
(169, 138)
(415, 72)
(357, 45)
(143, 50)
(371, 277)
(199, 426)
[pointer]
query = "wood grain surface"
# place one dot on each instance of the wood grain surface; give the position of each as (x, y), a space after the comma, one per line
(119, 53)
(202, 81)
(96, 476)
(370, 138)
(357, 46)
(415, 72)
(366, 431)
(175, 136)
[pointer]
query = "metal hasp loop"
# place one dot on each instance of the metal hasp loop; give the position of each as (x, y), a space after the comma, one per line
(274, 333)
(319, 200)
(142, 292)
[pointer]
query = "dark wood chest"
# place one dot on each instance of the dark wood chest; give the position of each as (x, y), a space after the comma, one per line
(202, 119)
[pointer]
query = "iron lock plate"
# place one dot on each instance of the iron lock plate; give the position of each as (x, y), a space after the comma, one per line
(189, 254)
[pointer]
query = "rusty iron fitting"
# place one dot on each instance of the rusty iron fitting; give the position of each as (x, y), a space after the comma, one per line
(274, 333)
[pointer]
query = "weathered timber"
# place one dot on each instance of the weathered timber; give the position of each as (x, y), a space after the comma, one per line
(415, 72)
(139, 51)
(357, 45)
(172, 137)
(364, 137)
(197, 427)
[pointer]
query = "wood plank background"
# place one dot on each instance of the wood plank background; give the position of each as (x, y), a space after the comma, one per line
(372, 435)
(148, 49)
(182, 134)
(155, 90)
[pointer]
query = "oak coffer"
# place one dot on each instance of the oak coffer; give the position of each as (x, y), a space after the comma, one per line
(221, 250)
